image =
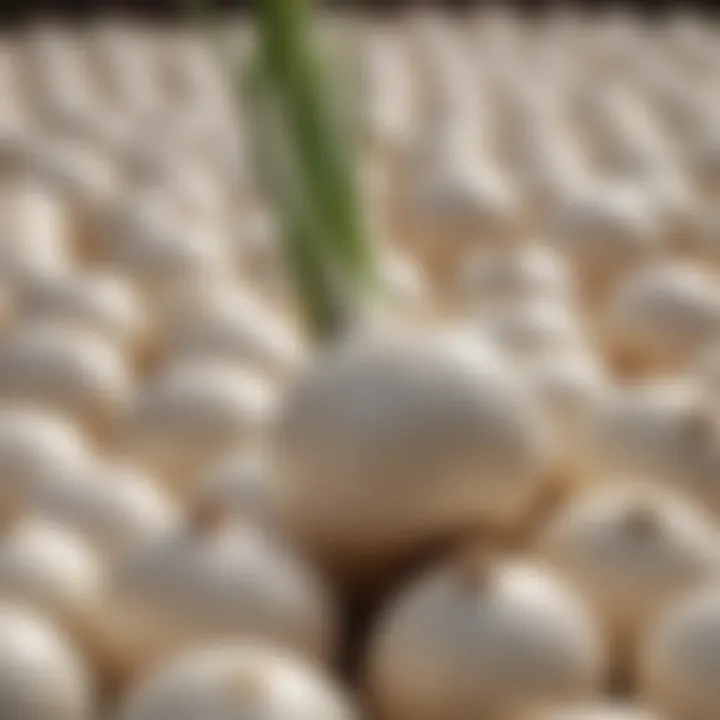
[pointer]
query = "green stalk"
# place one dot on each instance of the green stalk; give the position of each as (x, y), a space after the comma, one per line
(320, 141)
(290, 60)
(280, 177)
(304, 161)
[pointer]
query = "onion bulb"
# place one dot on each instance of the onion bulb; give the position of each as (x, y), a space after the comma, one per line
(483, 638)
(679, 663)
(232, 681)
(217, 579)
(660, 317)
(66, 369)
(632, 552)
(42, 676)
(193, 411)
(394, 440)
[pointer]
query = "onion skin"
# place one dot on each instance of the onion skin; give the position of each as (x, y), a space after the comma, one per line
(483, 637)
(392, 443)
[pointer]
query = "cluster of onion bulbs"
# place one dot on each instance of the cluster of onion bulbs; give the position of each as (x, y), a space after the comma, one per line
(496, 498)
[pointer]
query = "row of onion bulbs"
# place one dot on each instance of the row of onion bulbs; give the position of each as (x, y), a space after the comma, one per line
(189, 491)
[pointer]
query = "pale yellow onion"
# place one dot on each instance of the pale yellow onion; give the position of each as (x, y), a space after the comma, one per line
(661, 316)
(55, 76)
(36, 444)
(464, 202)
(655, 430)
(109, 503)
(193, 302)
(666, 434)
(42, 675)
(194, 411)
(531, 329)
(159, 252)
(483, 637)
(240, 328)
(46, 566)
(544, 152)
(105, 303)
(76, 170)
(65, 368)
(398, 437)
(216, 580)
(679, 670)
(123, 65)
(570, 384)
(34, 231)
(629, 142)
(233, 680)
(632, 552)
(530, 273)
(454, 203)
(605, 231)
(190, 71)
(390, 92)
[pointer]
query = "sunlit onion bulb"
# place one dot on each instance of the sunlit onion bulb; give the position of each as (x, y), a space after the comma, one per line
(527, 274)
(77, 171)
(629, 142)
(457, 205)
(632, 552)
(655, 430)
(56, 74)
(102, 302)
(483, 637)
(390, 92)
(35, 445)
(126, 71)
(570, 383)
(190, 72)
(65, 368)
(146, 241)
(235, 327)
(678, 668)
(34, 229)
(232, 681)
(194, 411)
(396, 438)
(661, 316)
(604, 232)
(533, 328)
(42, 676)
(51, 568)
(112, 505)
(216, 581)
